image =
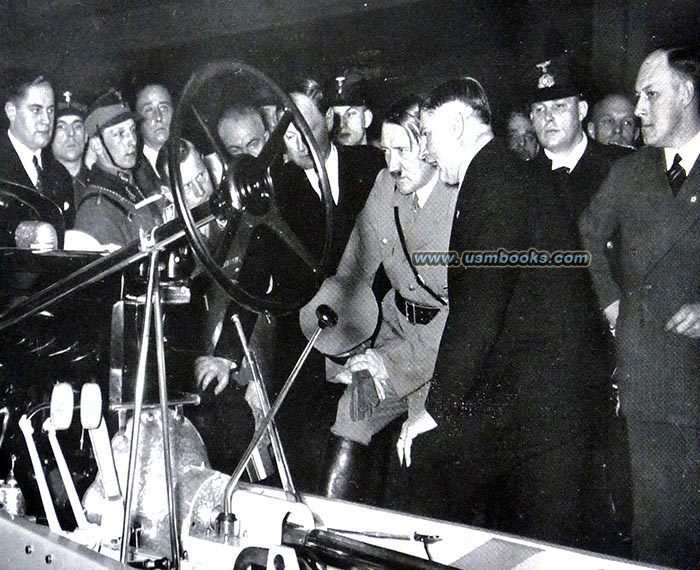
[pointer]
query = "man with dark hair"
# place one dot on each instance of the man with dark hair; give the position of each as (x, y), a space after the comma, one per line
(408, 210)
(24, 158)
(196, 182)
(512, 402)
(154, 109)
(651, 199)
(113, 209)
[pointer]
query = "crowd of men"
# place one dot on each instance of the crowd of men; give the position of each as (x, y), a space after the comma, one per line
(558, 403)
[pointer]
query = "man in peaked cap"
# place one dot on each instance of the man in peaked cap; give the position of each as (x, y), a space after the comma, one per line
(557, 111)
(113, 209)
(572, 168)
(69, 139)
(352, 115)
(24, 158)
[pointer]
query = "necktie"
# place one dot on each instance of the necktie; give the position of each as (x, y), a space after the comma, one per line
(39, 173)
(676, 175)
(415, 206)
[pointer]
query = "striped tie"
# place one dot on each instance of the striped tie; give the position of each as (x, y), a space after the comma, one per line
(39, 174)
(676, 175)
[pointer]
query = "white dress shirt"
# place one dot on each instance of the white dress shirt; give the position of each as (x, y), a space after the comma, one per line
(689, 154)
(151, 156)
(26, 157)
(332, 171)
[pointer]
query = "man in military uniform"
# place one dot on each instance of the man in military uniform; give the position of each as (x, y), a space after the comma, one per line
(351, 112)
(69, 139)
(113, 209)
(408, 210)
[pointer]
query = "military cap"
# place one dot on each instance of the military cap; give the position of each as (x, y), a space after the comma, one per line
(551, 80)
(69, 106)
(348, 92)
(108, 110)
(357, 310)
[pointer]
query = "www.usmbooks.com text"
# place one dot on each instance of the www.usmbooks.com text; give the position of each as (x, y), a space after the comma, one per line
(502, 258)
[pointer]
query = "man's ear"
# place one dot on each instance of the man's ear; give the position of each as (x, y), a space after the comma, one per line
(686, 92)
(368, 118)
(10, 111)
(582, 110)
(459, 122)
(96, 145)
(590, 128)
(329, 119)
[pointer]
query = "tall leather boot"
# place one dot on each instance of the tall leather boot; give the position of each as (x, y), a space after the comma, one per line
(345, 464)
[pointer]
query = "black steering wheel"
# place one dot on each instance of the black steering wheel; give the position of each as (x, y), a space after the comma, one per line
(247, 196)
(19, 203)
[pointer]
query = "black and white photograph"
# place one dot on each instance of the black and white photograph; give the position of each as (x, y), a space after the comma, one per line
(350, 284)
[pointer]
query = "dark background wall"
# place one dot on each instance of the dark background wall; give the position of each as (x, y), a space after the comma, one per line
(401, 45)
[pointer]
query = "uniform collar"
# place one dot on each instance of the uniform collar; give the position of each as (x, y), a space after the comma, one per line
(424, 192)
(570, 159)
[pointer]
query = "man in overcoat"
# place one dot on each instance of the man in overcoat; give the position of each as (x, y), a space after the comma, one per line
(517, 392)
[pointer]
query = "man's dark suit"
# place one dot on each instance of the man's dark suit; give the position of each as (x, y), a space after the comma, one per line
(657, 369)
(309, 411)
(57, 183)
(517, 388)
(146, 178)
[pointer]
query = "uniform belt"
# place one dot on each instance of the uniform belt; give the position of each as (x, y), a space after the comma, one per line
(416, 314)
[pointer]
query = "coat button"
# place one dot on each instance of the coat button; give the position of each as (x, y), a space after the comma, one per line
(384, 240)
(693, 199)
(411, 287)
(647, 286)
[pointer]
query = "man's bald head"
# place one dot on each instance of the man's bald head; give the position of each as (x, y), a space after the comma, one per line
(613, 122)
(242, 130)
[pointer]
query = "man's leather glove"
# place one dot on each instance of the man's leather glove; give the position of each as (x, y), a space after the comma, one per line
(363, 395)
(367, 388)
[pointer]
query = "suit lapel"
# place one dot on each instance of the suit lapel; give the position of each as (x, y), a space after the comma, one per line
(13, 169)
(686, 211)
